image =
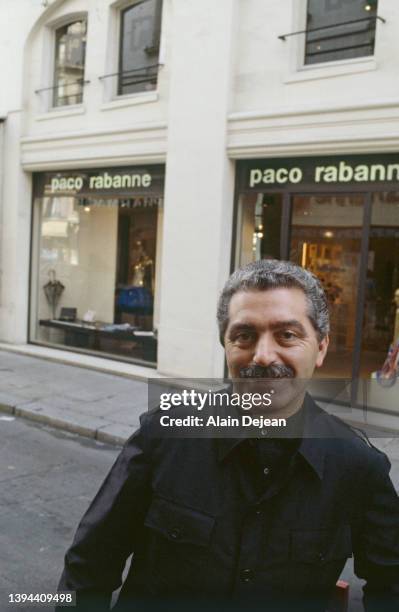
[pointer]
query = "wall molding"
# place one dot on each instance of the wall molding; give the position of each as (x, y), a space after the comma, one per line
(307, 131)
(139, 144)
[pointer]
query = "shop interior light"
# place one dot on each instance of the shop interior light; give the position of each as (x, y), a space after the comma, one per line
(328, 234)
(87, 208)
(304, 254)
(368, 7)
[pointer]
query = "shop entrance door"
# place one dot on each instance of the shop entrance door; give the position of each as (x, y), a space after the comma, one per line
(327, 237)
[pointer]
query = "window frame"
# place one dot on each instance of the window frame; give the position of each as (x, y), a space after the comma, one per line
(306, 42)
(66, 21)
(123, 7)
(45, 101)
(298, 71)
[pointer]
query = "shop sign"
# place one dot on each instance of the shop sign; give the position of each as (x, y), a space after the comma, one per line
(304, 172)
(110, 182)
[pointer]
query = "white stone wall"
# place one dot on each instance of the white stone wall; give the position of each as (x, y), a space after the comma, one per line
(16, 20)
(281, 108)
(104, 127)
(228, 89)
(270, 75)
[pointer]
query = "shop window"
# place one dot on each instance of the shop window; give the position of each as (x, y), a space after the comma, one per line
(94, 263)
(381, 309)
(326, 234)
(139, 47)
(340, 30)
(70, 51)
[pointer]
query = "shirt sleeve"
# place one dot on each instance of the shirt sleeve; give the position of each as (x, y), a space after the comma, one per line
(376, 546)
(109, 530)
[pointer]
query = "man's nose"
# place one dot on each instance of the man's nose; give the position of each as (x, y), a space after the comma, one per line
(265, 351)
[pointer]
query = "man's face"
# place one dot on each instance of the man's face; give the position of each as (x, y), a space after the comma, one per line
(271, 329)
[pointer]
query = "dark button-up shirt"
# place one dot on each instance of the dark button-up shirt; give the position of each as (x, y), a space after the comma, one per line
(234, 520)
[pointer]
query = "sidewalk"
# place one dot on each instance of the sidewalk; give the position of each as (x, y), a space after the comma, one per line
(90, 403)
(94, 404)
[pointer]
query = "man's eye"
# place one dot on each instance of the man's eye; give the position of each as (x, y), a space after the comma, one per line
(287, 335)
(243, 337)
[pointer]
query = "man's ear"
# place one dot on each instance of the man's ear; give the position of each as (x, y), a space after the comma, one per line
(323, 346)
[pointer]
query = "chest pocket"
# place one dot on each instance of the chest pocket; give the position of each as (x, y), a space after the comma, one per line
(178, 544)
(317, 557)
(179, 524)
(321, 545)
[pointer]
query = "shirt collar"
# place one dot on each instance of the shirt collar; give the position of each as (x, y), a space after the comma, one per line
(312, 447)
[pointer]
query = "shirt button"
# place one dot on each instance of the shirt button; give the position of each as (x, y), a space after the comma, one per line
(321, 557)
(247, 575)
(266, 471)
(175, 534)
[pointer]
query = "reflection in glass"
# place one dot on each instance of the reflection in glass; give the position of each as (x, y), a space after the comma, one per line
(380, 337)
(70, 51)
(332, 42)
(139, 47)
(259, 226)
(382, 283)
(103, 251)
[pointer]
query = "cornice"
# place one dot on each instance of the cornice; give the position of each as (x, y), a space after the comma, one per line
(370, 127)
(296, 111)
(144, 143)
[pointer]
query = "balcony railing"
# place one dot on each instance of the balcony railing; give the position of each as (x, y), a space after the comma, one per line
(135, 76)
(334, 25)
(63, 99)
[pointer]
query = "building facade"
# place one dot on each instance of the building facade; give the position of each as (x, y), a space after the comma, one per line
(156, 145)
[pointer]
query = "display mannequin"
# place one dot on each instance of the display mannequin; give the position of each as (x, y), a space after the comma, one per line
(142, 272)
(142, 267)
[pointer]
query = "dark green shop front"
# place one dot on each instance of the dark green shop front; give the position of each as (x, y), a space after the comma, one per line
(337, 216)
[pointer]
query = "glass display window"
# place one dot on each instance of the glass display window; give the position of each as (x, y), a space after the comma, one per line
(259, 227)
(326, 234)
(344, 228)
(381, 308)
(94, 274)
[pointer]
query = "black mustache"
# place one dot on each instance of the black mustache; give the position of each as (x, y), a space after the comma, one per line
(274, 370)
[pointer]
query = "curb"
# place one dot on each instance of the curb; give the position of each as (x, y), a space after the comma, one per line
(66, 425)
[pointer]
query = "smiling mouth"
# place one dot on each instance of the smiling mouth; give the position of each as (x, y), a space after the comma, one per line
(272, 371)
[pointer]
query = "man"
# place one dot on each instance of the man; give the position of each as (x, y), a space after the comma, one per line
(245, 523)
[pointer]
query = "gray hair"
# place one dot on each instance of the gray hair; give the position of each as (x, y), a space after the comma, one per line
(272, 274)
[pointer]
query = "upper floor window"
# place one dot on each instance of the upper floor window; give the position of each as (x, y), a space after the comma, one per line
(339, 29)
(139, 47)
(70, 51)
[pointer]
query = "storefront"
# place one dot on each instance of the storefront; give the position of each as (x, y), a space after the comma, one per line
(338, 217)
(95, 261)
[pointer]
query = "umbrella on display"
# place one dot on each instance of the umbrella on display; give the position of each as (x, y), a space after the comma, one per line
(53, 290)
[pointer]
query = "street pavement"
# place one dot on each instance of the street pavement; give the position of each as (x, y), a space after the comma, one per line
(60, 427)
(93, 404)
(47, 480)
